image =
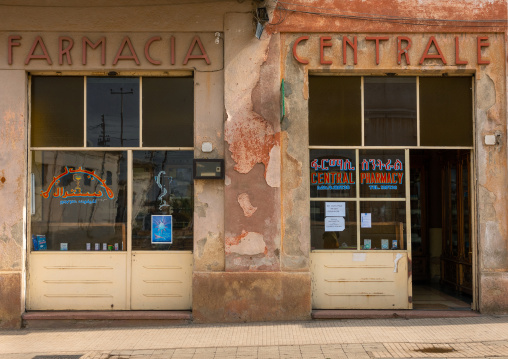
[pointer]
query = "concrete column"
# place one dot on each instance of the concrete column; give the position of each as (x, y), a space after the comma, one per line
(13, 185)
(209, 194)
(492, 184)
(254, 285)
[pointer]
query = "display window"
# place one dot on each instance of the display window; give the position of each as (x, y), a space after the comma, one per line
(360, 133)
(111, 163)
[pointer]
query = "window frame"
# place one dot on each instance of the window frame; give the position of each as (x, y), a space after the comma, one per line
(128, 149)
(407, 198)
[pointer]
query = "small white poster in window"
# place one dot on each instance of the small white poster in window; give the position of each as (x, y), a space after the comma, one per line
(335, 224)
(335, 209)
(366, 220)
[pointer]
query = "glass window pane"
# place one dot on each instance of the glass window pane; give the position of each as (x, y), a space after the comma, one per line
(383, 225)
(57, 111)
(332, 173)
(162, 186)
(112, 112)
(382, 173)
(446, 115)
(80, 200)
(333, 233)
(168, 112)
(390, 111)
(335, 111)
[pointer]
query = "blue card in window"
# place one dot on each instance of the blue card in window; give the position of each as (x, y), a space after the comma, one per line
(162, 229)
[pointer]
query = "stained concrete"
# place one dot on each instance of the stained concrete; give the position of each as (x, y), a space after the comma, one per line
(10, 300)
(251, 296)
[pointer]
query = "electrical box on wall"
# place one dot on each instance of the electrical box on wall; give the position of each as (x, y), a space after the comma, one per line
(208, 169)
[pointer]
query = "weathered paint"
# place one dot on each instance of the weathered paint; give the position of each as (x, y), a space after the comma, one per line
(12, 194)
(413, 9)
(255, 224)
(252, 159)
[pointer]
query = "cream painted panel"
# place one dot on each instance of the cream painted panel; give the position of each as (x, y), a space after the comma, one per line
(77, 281)
(360, 280)
(161, 280)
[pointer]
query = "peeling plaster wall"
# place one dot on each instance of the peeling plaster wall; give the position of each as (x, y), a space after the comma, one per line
(259, 283)
(13, 162)
(252, 134)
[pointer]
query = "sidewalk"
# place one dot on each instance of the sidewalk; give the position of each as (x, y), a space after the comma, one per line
(475, 337)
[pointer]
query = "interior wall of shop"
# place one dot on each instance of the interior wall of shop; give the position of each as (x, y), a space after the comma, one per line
(490, 108)
(139, 20)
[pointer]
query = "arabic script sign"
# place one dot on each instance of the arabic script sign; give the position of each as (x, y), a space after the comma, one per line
(76, 195)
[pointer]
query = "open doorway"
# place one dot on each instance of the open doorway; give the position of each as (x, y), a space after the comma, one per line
(441, 230)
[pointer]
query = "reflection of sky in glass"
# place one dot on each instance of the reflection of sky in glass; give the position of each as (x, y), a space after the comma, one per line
(104, 101)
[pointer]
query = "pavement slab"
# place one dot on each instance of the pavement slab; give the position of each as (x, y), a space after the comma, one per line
(469, 337)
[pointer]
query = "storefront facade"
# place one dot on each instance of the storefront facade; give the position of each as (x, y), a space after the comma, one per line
(380, 160)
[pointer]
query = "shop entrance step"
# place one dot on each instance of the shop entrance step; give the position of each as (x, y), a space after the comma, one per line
(97, 319)
(386, 314)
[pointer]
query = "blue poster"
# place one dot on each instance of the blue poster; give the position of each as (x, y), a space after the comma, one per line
(162, 229)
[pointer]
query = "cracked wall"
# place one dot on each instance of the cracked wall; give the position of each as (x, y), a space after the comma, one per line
(252, 135)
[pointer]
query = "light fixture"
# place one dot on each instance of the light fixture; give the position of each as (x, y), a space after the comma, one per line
(261, 19)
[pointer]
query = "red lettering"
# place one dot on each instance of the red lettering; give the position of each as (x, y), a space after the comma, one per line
(11, 44)
(313, 178)
(66, 51)
(345, 179)
(481, 44)
(147, 50)
(320, 178)
(132, 56)
(203, 56)
(86, 42)
(295, 55)
(172, 40)
(403, 51)
(426, 54)
(383, 177)
(351, 178)
(378, 177)
(363, 176)
(401, 175)
(30, 56)
(322, 45)
(458, 61)
(354, 46)
(377, 39)
(327, 178)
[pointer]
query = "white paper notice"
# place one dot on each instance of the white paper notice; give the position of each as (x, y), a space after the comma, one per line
(366, 220)
(335, 209)
(335, 224)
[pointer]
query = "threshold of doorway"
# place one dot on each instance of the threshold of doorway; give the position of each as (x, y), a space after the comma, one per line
(110, 318)
(390, 314)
